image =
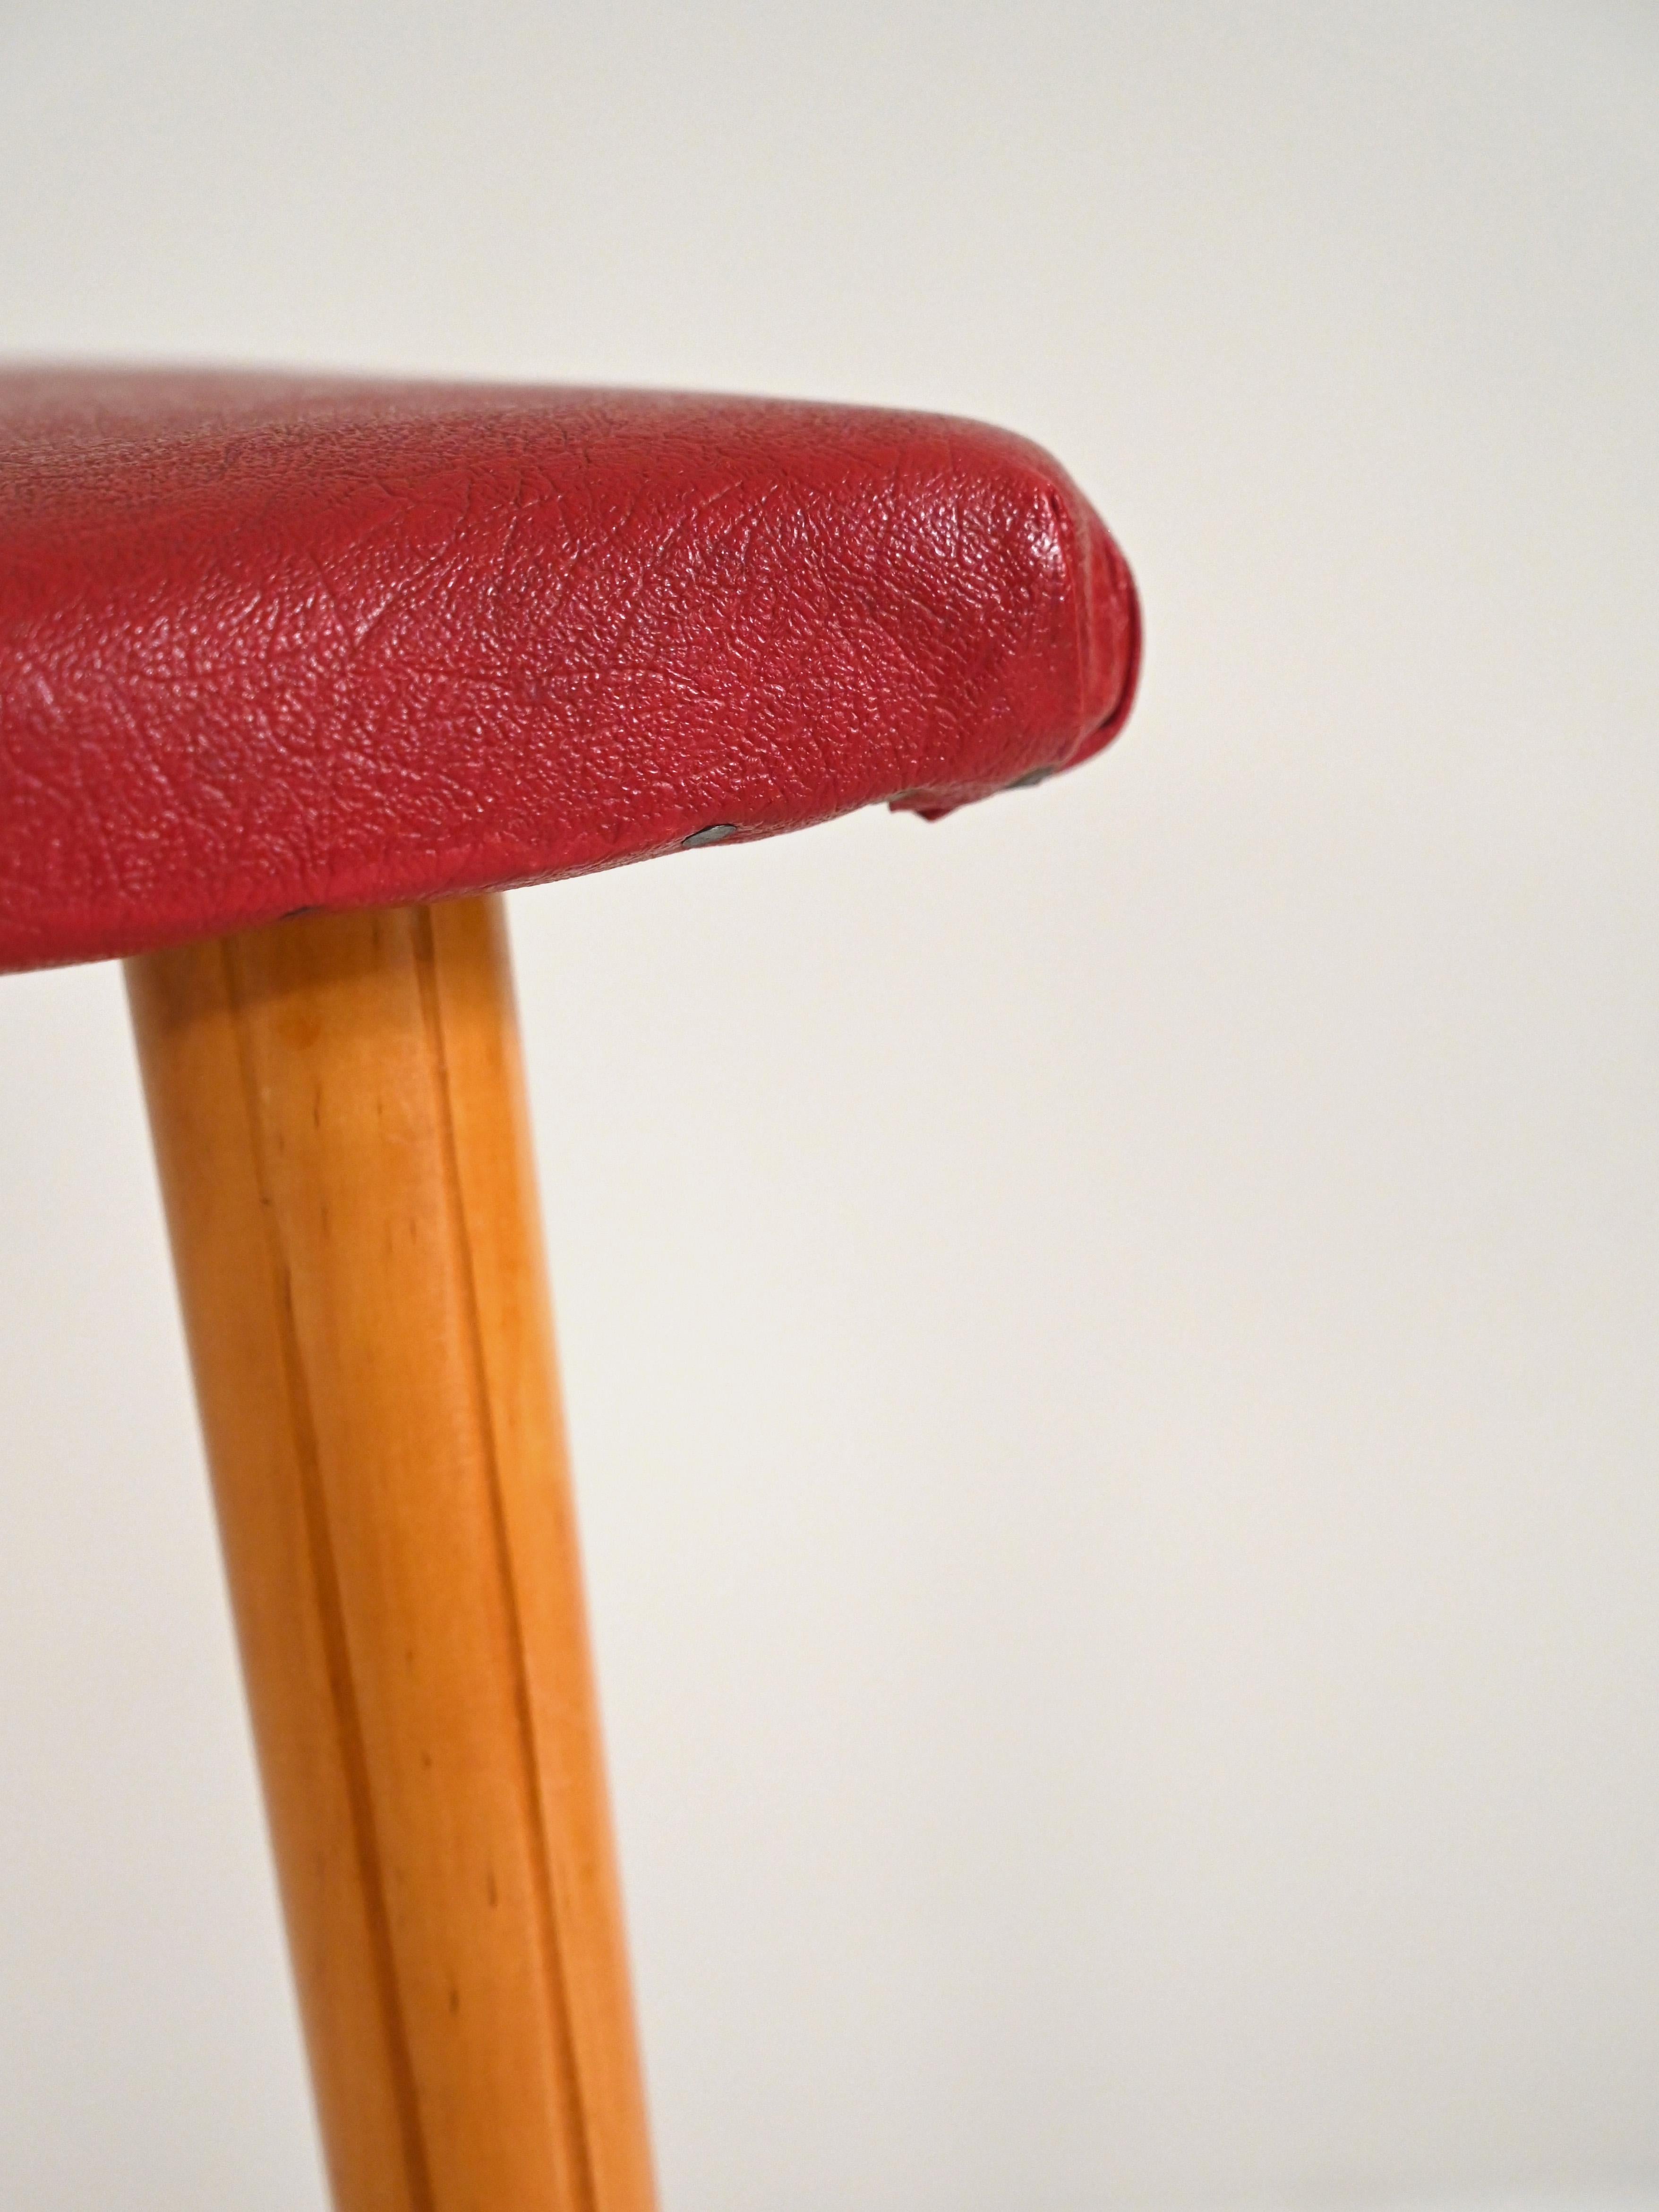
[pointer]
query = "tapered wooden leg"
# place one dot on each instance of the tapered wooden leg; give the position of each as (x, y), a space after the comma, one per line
(338, 1112)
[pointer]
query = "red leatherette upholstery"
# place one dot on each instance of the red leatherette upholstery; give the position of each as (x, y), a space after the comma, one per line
(276, 642)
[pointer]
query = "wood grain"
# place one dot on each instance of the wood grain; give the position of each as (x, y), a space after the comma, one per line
(338, 1111)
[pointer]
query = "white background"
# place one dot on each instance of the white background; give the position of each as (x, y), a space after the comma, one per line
(1111, 1342)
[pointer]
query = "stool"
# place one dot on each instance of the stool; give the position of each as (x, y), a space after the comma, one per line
(297, 675)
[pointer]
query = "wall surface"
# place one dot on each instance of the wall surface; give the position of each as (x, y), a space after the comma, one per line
(1111, 1342)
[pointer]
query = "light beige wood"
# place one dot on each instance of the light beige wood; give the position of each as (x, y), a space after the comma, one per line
(338, 1111)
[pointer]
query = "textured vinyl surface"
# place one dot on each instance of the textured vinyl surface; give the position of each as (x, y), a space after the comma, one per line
(270, 643)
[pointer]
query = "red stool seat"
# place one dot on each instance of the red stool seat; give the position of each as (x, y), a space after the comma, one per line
(270, 643)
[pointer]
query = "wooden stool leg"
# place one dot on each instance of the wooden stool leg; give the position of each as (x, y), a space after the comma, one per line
(338, 1112)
